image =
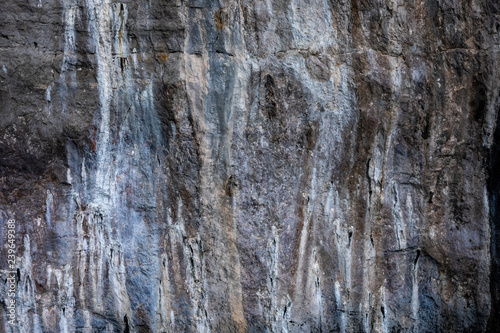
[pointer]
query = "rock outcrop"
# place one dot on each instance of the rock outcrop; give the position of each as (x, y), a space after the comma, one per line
(251, 166)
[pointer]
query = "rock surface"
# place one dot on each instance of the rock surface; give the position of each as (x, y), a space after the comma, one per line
(251, 166)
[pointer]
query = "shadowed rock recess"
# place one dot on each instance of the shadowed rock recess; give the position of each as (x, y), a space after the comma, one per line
(251, 166)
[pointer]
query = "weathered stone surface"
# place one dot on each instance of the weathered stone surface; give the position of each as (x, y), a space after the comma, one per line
(251, 166)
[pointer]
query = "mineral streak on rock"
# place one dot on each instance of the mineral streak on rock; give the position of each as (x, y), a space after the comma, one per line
(251, 166)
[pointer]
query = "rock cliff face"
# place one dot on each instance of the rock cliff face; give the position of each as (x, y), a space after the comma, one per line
(251, 166)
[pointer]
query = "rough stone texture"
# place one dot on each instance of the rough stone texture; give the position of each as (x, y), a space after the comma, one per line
(251, 166)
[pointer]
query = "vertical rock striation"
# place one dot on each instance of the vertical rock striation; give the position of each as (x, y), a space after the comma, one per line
(251, 166)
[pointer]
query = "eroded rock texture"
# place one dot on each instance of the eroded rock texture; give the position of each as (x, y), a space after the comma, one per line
(251, 166)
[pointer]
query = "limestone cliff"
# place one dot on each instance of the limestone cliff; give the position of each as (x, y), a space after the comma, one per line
(251, 166)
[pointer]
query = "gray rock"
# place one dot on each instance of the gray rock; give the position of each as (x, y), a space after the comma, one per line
(252, 166)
